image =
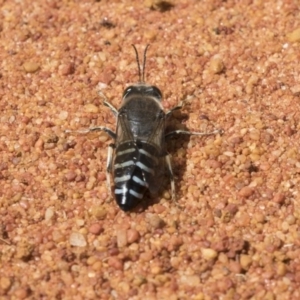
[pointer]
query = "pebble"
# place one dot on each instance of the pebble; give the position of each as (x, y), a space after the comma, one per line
(191, 280)
(246, 192)
(122, 237)
(31, 67)
(63, 115)
(77, 239)
(279, 198)
(281, 269)
(235, 267)
(95, 228)
(224, 284)
(58, 236)
(49, 213)
(208, 253)
(70, 176)
(98, 212)
(66, 69)
(294, 36)
(91, 108)
(245, 261)
(156, 222)
(216, 65)
(132, 236)
(5, 283)
(115, 263)
(146, 256)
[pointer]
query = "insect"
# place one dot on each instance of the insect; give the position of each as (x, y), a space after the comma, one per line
(138, 156)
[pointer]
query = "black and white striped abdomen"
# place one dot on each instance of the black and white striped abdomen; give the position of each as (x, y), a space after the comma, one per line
(135, 166)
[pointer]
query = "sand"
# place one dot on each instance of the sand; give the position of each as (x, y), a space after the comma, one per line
(235, 231)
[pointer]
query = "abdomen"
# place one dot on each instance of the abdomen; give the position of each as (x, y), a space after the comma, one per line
(135, 168)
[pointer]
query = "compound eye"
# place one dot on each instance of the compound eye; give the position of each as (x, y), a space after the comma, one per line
(155, 92)
(131, 90)
(128, 91)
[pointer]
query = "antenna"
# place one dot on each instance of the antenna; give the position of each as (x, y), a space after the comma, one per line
(141, 74)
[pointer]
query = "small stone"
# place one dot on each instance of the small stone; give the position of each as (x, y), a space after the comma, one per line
(281, 269)
(95, 228)
(122, 238)
(77, 239)
(97, 266)
(49, 213)
(132, 236)
(70, 176)
(66, 69)
(155, 269)
(159, 5)
(91, 108)
(224, 284)
(98, 212)
(146, 256)
(24, 250)
(158, 208)
(57, 236)
(235, 267)
(246, 192)
(115, 263)
(295, 89)
(294, 36)
(190, 280)
(208, 253)
(254, 135)
(279, 198)
(259, 217)
(139, 280)
(31, 67)
(216, 65)
(290, 219)
(63, 115)
(5, 283)
(21, 293)
(156, 222)
(245, 261)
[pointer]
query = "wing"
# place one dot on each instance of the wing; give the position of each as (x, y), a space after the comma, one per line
(124, 132)
(152, 154)
(126, 152)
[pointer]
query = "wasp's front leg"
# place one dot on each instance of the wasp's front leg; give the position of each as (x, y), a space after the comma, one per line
(98, 128)
(179, 106)
(106, 103)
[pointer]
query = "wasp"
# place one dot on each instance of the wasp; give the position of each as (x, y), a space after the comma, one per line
(137, 158)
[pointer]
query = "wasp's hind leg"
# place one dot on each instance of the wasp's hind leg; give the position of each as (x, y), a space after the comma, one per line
(171, 175)
(176, 132)
(109, 162)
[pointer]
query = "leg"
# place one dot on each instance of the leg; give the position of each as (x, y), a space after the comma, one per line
(173, 133)
(99, 128)
(109, 167)
(106, 103)
(112, 108)
(179, 106)
(171, 174)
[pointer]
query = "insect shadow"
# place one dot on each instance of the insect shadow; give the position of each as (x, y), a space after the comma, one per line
(174, 144)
